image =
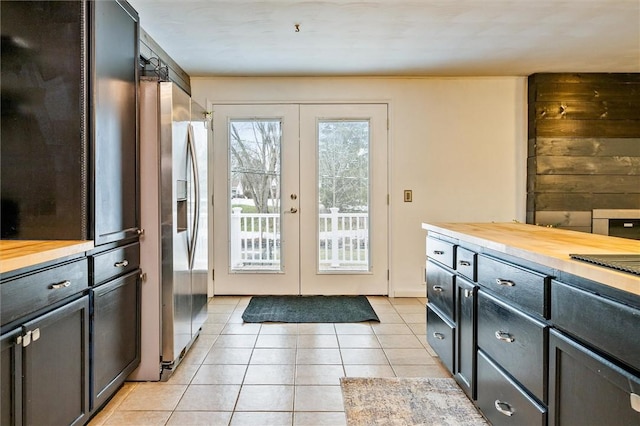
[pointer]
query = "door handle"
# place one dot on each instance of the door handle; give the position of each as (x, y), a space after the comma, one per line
(292, 210)
(191, 151)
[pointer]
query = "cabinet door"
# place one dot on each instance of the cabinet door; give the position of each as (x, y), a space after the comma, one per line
(466, 343)
(587, 389)
(114, 111)
(55, 367)
(116, 335)
(44, 151)
(10, 378)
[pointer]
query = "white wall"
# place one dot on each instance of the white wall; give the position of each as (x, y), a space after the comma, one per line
(459, 143)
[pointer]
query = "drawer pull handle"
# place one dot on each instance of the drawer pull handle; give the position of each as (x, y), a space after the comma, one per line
(506, 283)
(122, 264)
(504, 408)
(635, 401)
(465, 263)
(504, 336)
(438, 252)
(26, 339)
(468, 292)
(63, 284)
(438, 336)
(438, 288)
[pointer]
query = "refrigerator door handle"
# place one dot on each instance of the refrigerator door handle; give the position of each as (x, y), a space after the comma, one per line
(196, 186)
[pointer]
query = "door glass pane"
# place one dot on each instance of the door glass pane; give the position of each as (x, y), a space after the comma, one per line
(343, 195)
(254, 188)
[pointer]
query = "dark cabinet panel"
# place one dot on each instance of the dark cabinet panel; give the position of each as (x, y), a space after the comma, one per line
(441, 288)
(502, 401)
(29, 293)
(55, 367)
(115, 125)
(515, 341)
(466, 263)
(525, 288)
(118, 261)
(441, 251)
(587, 389)
(602, 322)
(44, 143)
(115, 334)
(11, 383)
(466, 343)
(441, 337)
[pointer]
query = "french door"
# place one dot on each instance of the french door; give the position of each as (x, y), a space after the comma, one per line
(300, 199)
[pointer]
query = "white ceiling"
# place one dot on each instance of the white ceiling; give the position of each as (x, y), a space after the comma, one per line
(395, 37)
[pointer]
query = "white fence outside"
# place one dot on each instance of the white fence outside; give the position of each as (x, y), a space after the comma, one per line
(343, 241)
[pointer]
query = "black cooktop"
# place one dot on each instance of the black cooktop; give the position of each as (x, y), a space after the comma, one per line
(622, 262)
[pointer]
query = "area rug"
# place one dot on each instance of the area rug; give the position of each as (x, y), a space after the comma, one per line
(407, 401)
(309, 309)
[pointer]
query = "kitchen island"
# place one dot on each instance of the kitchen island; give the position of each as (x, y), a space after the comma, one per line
(532, 335)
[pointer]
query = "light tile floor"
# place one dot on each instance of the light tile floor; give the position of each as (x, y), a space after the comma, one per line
(276, 373)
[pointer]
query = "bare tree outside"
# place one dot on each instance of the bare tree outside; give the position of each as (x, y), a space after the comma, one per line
(342, 154)
(343, 165)
(255, 161)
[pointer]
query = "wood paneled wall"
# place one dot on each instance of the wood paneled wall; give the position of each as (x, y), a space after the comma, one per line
(584, 147)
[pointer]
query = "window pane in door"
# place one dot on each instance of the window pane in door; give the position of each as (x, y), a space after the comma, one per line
(254, 188)
(343, 195)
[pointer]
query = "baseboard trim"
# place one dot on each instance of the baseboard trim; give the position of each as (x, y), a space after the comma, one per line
(409, 293)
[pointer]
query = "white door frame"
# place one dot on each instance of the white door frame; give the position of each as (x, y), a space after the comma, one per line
(294, 278)
(375, 280)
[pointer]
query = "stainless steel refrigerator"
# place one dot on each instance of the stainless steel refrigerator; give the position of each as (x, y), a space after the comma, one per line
(173, 163)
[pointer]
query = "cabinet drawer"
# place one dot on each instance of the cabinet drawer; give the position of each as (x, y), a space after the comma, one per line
(502, 401)
(115, 262)
(515, 341)
(603, 323)
(28, 293)
(441, 289)
(586, 388)
(466, 263)
(441, 251)
(441, 337)
(526, 288)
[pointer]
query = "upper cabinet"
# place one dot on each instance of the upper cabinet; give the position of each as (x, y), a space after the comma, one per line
(44, 128)
(69, 120)
(114, 109)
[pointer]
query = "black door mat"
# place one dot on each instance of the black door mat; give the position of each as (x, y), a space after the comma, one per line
(306, 309)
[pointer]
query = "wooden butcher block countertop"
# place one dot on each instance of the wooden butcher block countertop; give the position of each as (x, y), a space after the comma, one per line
(549, 247)
(17, 254)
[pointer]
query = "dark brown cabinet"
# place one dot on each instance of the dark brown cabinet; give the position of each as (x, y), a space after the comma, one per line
(515, 341)
(45, 368)
(70, 172)
(588, 389)
(44, 150)
(532, 345)
(115, 336)
(502, 400)
(114, 112)
(69, 120)
(441, 292)
(452, 309)
(466, 338)
(11, 382)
